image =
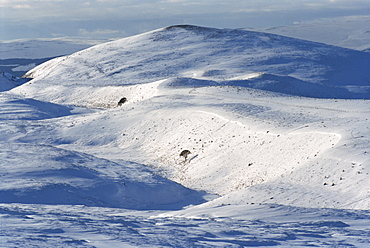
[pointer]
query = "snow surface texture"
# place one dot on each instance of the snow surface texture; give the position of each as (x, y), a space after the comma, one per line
(268, 166)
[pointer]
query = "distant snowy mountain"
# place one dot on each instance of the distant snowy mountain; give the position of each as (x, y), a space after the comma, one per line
(350, 32)
(44, 48)
(215, 57)
(19, 56)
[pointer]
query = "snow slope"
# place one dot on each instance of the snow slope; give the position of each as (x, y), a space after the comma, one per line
(67, 179)
(268, 166)
(9, 81)
(70, 178)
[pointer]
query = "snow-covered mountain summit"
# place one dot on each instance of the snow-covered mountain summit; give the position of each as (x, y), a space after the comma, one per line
(216, 57)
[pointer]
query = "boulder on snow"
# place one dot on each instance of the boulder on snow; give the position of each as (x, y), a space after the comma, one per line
(122, 101)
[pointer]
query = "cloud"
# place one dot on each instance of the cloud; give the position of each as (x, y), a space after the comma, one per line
(172, 1)
(107, 17)
(142, 8)
(22, 6)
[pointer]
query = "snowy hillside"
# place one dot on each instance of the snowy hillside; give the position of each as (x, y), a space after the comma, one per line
(276, 129)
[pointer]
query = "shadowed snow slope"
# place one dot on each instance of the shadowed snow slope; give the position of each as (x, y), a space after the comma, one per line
(290, 66)
(9, 81)
(66, 177)
(15, 108)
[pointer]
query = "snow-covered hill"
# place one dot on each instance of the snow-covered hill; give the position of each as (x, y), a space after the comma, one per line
(276, 127)
(216, 57)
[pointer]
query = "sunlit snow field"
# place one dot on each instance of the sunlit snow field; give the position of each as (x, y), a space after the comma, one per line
(278, 130)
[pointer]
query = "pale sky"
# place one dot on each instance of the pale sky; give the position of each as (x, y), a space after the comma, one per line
(121, 18)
